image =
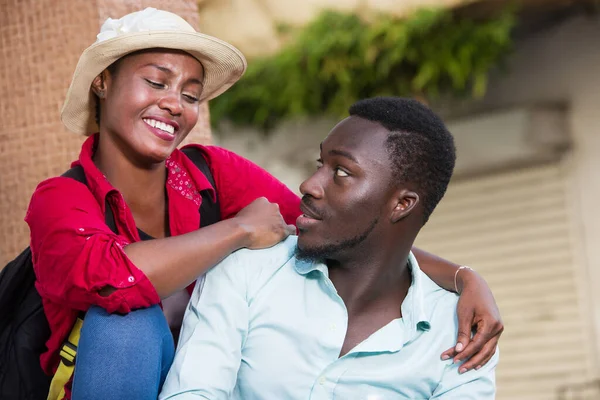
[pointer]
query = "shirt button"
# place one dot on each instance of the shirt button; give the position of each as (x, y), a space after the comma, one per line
(332, 327)
(131, 279)
(322, 380)
(81, 229)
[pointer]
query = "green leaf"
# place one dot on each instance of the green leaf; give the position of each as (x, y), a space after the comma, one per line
(339, 58)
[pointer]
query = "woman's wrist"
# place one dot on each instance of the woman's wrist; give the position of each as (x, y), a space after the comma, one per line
(243, 233)
(462, 277)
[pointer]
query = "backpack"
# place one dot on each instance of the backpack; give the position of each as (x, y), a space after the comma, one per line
(24, 328)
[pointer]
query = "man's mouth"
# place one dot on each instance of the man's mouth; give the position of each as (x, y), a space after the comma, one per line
(308, 212)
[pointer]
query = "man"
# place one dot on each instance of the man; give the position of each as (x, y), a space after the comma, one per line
(345, 314)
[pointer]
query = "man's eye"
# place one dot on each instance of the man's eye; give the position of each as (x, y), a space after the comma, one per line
(341, 173)
(155, 84)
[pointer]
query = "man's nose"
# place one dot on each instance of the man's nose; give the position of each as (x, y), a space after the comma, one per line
(312, 186)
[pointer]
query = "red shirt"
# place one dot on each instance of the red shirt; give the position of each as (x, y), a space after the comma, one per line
(75, 253)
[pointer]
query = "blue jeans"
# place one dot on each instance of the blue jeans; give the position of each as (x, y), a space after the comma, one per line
(123, 356)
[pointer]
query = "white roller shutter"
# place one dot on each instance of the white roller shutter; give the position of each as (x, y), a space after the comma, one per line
(514, 228)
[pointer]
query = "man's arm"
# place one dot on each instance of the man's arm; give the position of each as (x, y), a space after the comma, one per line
(214, 329)
(477, 310)
(474, 385)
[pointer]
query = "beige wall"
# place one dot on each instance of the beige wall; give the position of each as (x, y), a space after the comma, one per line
(41, 41)
(252, 24)
(562, 65)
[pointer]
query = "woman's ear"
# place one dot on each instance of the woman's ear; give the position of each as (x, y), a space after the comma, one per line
(405, 202)
(99, 84)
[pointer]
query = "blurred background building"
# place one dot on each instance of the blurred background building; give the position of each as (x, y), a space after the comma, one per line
(522, 208)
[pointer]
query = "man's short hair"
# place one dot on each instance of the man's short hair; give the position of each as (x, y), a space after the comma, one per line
(420, 146)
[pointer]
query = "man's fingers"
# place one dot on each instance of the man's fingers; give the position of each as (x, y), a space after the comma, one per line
(481, 358)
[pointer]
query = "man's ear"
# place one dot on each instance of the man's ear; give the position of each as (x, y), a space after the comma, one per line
(405, 202)
(99, 84)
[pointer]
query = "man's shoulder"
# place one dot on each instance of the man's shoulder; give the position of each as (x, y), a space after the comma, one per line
(269, 259)
(253, 268)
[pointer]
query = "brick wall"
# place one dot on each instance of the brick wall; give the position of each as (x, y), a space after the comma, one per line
(40, 43)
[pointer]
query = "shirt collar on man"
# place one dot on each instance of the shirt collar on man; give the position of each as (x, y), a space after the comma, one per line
(414, 319)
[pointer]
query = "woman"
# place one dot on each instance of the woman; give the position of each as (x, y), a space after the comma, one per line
(137, 91)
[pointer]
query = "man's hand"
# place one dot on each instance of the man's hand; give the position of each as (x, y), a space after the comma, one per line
(477, 312)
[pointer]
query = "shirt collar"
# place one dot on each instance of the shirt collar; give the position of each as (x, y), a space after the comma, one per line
(96, 181)
(413, 306)
(397, 333)
(177, 163)
(178, 159)
(305, 267)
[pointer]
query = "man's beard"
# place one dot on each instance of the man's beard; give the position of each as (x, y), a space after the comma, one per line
(329, 251)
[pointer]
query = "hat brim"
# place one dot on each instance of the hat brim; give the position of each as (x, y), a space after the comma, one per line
(223, 66)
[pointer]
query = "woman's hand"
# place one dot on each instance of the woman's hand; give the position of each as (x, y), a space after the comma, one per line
(264, 223)
(478, 313)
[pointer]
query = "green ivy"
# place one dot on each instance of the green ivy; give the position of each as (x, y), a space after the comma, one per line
(340, 58)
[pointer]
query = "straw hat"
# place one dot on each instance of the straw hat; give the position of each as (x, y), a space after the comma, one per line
(151, 28)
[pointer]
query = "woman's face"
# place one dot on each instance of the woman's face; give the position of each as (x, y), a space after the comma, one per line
(149, 103)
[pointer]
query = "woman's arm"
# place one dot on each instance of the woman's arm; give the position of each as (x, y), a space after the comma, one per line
(173, 263)
(477, 310)
(255, 209)
(79, 261)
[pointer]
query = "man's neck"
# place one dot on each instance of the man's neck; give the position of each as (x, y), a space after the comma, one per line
(373, 282)
(372, 278)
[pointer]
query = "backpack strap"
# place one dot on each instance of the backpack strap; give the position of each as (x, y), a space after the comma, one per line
(209, 210)
(66, 366)
(209, 214)
(68, 351)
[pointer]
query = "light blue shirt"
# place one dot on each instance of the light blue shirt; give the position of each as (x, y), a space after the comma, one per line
(268, 326)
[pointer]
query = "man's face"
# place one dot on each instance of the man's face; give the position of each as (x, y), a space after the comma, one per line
(345, 200)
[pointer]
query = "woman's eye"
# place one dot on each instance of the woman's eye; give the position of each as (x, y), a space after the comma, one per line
(341, 173)
(155, 84)
(190, 98)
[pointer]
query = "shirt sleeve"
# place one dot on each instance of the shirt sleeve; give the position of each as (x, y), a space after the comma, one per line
(214, 329)
(75, 254)
(240, 181)
(472, 385)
